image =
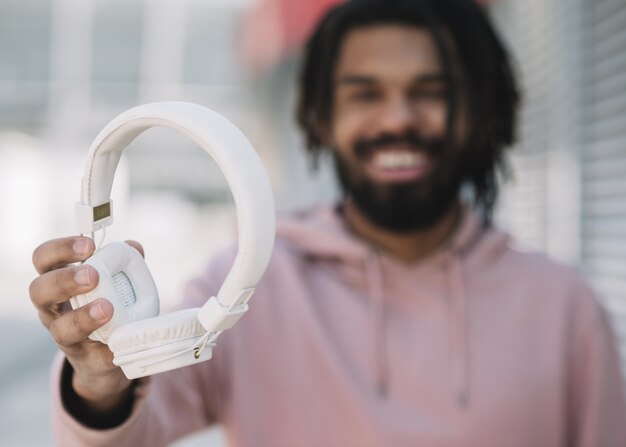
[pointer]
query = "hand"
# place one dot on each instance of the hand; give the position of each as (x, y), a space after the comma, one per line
(96, 379)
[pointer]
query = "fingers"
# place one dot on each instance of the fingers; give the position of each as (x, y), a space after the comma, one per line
(75, 326)
(57, 283)
(60, 285)
(59, 252)
(137, 246)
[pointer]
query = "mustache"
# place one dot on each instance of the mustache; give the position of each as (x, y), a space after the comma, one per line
(364, 148)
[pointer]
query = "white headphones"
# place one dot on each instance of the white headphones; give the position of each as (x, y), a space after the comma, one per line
(142, 342)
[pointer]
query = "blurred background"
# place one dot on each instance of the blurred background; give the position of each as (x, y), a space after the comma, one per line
(69, 66)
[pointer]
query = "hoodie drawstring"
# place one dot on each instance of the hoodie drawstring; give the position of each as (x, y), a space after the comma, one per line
(459, 327)
(377, 322)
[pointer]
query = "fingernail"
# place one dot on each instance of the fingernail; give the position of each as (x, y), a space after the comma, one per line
(95, 311)
(81, 246)
(82, 276)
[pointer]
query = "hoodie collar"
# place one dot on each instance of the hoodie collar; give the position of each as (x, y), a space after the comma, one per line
(322, 232)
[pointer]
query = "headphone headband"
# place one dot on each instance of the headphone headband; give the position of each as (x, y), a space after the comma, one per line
(235, 157)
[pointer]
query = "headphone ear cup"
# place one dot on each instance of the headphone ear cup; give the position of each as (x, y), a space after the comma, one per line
(124, 279)
(141, 336)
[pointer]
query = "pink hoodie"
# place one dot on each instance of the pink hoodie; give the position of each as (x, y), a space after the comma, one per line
(478, 345)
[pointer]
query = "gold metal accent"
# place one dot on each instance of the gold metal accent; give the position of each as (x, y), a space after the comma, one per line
(102, 211)
(196, 353)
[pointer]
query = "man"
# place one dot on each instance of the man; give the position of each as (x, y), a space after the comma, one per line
(398, 317)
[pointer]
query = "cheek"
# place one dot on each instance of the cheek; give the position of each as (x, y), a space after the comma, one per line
(353, 121)
(432, 121)
(347, 129)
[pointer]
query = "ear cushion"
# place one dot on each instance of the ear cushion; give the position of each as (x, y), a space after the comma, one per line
(124, 279)
(155, 332)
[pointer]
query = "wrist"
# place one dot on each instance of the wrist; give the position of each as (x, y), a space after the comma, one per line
(101, 393)
(91, 407)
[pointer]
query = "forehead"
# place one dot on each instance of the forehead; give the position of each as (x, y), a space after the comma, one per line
(388, 51)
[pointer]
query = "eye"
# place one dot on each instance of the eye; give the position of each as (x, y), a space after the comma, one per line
(429, 94)
(368, 95)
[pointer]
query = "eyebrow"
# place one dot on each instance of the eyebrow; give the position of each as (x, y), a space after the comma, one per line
(431, 77)
(356, 79)
(353, 79)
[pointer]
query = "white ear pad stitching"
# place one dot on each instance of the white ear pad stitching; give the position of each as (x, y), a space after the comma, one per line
(109, 261)
(155, 332)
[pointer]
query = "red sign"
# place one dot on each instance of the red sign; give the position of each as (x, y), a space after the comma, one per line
(276, 28)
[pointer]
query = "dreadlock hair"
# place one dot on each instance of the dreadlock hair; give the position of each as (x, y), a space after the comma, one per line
(467, 43)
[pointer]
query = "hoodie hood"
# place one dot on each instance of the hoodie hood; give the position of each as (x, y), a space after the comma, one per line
(322, 233)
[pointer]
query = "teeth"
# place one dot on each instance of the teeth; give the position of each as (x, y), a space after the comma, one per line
(398, 160)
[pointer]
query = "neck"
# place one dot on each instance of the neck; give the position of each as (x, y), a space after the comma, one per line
(410, 246)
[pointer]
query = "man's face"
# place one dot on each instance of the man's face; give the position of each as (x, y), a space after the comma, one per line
(389, 127)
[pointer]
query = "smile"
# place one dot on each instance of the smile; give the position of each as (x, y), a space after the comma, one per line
(398, 165)
(398, 160)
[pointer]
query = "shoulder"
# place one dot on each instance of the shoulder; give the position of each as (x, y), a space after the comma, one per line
(539, 269)
(284, 256)
(531, 277)
(551, 282)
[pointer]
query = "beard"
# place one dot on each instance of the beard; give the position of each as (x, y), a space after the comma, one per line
(409, 206)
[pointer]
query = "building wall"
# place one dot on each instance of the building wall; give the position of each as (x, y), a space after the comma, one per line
(68, 66)
(603, 160)
(569, 193)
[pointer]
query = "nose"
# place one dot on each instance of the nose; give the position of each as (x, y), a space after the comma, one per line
(398, 116)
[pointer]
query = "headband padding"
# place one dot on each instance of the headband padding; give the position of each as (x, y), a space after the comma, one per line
(233, 154)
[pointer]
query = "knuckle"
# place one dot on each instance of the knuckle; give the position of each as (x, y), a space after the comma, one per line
(77, 326)
(52, 253)
(64, 281)
(45, 319)
(36, 257)
(59, 281)
(32, 290)
(69, 329)
(57, 333)
(51, 287)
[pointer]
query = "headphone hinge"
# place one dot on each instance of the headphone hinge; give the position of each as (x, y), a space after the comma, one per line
(215, 317)
(90, 219)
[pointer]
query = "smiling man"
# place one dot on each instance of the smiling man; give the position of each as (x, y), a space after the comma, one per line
(397, 162)
(389, 127)
(397, 317)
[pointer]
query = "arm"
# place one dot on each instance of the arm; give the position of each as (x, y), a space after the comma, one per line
(163, 408)
(597, 404)
(94, 403)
